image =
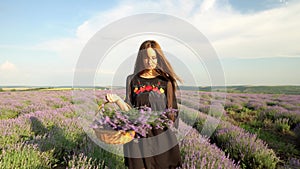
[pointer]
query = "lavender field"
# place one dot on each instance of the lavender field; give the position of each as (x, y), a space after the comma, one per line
(42, 129)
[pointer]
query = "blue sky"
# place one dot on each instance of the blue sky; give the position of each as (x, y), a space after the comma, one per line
(30, 22)
(256, 41)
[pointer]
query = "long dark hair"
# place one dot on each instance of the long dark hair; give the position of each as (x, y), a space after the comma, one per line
(163, 67)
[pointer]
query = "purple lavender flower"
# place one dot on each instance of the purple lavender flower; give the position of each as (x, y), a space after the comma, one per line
(140, 120)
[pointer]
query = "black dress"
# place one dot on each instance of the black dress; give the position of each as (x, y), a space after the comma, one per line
(159, 150)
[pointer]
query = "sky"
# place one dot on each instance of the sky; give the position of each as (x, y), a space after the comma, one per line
(256, 41)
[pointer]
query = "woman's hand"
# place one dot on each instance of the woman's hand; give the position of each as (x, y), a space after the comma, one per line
(171, 116)
(112, 98)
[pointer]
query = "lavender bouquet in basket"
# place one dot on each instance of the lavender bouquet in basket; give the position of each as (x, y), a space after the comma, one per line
(135, 122)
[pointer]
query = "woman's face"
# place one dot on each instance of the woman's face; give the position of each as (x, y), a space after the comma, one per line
(150, 61)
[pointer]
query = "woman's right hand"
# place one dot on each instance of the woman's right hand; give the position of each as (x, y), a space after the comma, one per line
(112, 98)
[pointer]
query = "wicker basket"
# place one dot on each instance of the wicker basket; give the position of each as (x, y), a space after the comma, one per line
(113, 136)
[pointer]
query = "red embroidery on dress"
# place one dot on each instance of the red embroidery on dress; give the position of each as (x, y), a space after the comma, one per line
(148, 88)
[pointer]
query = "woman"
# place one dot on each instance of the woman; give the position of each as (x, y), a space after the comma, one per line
(153, 84)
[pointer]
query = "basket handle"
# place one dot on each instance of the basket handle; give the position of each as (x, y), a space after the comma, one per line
(100, 108)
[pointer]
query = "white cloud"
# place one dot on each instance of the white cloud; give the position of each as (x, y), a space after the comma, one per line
(8, 67)
(70, 48)
(270, 33)
(10, 74)
(207, 5)
(65, 47)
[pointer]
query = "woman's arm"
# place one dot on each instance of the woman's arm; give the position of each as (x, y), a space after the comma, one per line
(113, 98)
(123, 105)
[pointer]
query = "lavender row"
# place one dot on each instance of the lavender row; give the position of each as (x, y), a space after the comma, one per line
(288, 103)
(242, 146)
(37, 123)
(198, 153)
(266, 106)
(23, 156)
(14, 104)
(52, 130)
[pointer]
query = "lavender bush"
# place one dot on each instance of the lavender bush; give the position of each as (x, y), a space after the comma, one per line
(24, 156)
(246, 147)
(293, 163)
(55, 130)
(269, 106)
(282, 125)
(297, 133)
(81, 161)
(198, 153)
(139, 120)
(239, 144)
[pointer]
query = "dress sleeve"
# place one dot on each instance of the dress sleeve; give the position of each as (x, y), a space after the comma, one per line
(172, 103)
(128, 98)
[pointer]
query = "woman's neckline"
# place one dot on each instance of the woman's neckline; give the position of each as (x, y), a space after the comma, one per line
(148, 77)
(149, 74)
